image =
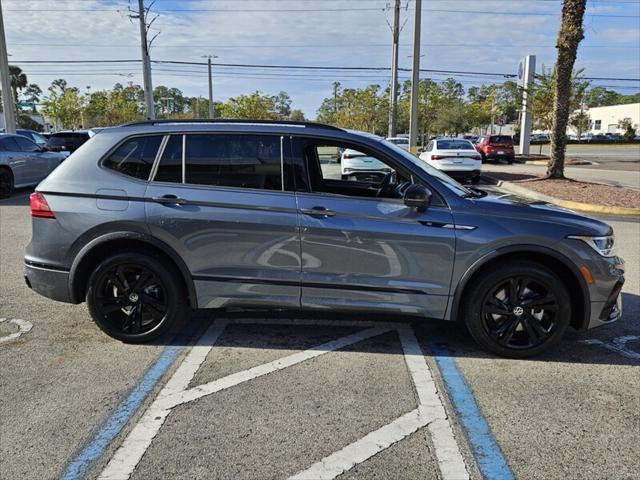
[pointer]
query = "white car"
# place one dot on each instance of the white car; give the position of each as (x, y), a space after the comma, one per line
(402, 142)
(456, 157)
(359, 166)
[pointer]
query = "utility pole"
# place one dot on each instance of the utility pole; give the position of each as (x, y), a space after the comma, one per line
(393, 111)
(415, 79)
(7, 96)
(211, 111)
(146, 62)
(335, 97)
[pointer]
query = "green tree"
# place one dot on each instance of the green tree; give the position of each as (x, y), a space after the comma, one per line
(63, 104)
(18, 81)
(297, 116)
(579, 121)
(626, 124)
(282, 104)
(256, 106)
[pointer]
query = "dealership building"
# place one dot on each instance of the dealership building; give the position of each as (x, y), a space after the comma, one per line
(605, 119)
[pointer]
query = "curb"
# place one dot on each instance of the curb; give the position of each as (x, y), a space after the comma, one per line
(580, 206)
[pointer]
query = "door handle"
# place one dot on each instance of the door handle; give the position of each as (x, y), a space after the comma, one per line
(318, 212)
(169, 200)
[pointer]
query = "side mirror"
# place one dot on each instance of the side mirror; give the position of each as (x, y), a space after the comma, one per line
(417, 196)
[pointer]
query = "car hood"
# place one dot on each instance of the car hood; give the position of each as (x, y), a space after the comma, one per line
(509, 205)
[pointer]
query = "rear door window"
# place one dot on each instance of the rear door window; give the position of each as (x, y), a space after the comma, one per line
(170, 167)
(9, 145)
(241, 161)
(135, 156)
(26, 145)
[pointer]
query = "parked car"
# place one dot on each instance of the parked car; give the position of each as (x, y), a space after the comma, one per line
(243, 218)
(360, 166)
(540, 138)
(31, 135)
(402, 142)
(69, 141)
(23, 163)
(471, 138)
(456, 157)
(496, 147)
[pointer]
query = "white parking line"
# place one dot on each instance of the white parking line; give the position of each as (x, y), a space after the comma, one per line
(430, 411)
(339, 462)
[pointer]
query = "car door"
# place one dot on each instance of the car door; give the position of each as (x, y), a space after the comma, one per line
(16, 160)
(220, 202)
(363, 252)
(37, 163)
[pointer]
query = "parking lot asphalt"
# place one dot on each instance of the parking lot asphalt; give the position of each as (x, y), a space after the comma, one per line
(282, 396)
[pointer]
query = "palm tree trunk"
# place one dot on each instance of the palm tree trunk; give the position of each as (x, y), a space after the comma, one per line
(569, 37)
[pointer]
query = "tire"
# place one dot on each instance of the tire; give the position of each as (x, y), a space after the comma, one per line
(136, 298)
(6, 182)
(517, 329)
(510, 161)
(475, 179)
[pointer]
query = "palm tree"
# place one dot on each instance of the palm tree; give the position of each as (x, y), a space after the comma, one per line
(569, 37)
(18, 81)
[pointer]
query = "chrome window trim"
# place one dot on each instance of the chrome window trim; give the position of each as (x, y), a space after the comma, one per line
(156, 161)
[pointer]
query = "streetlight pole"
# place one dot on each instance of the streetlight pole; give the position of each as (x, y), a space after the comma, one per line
(393, 111)
(146, 62)
(415, 79)
(7, 97)
(211, 110)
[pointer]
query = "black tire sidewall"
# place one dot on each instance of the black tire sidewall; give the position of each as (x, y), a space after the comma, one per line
(173, 288)
(4, 170)
(473, 306)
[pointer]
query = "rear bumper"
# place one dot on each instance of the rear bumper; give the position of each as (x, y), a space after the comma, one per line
(467, 173)
(500, 156)
(48, 281)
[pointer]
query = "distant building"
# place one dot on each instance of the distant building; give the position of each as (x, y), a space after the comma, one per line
(605, 119)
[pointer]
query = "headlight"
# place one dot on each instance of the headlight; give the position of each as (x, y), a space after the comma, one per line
(605, 246)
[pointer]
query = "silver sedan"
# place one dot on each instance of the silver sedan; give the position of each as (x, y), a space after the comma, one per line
(23, 163)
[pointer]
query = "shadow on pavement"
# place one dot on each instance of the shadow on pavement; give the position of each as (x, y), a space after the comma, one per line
(452, 335)
(18, 199)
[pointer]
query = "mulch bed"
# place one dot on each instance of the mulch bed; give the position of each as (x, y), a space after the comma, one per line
(576, 191)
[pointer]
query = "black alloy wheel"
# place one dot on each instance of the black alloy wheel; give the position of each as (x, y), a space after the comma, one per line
(520, 313)
(517, 309)
(135, 298)
(6, 183)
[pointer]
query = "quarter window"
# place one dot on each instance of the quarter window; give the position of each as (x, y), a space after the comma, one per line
(241, 161)
(135, 156)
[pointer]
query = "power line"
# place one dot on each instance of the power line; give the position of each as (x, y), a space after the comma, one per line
(296, 67)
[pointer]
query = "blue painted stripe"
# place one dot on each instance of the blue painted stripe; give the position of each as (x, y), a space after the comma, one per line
(79, 466)
(487, 452)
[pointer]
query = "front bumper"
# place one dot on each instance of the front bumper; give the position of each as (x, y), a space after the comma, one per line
(609, 311)
(47, 281)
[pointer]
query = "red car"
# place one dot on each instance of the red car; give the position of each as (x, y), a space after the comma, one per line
(496, 147)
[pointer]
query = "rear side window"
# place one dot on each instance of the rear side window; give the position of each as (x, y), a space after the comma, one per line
(170, 167)
(8, 145)
(26, 145)
(135, 156)
(504, 139)
(241, 161)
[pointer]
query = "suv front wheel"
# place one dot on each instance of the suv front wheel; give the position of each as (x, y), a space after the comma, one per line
(518, 309)
(135, 298)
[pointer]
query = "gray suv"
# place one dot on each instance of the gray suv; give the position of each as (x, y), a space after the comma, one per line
(149, 221)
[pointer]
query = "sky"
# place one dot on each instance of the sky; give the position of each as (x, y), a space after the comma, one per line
(460, 35)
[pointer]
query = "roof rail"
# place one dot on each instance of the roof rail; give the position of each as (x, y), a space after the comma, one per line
(232, 120)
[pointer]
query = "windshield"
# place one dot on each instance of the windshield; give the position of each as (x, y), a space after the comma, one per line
(504, 139)
(455, 145)
(445, 179)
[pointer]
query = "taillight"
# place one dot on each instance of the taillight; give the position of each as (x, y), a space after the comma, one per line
(40, 207)
(437, 157)
(347, 155)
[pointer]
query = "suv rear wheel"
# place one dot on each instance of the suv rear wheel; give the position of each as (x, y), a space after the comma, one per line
(135, 297)
(6, 182)
(518, 309)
